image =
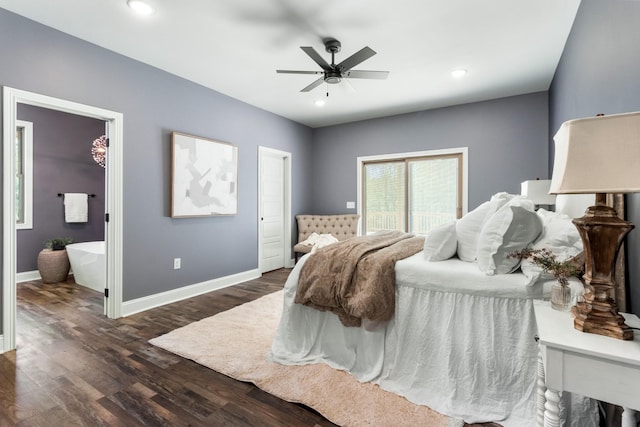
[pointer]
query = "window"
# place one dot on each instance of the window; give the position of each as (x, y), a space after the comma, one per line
(412, 192)
(24, 174)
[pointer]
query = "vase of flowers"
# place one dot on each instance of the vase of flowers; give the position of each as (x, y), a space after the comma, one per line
(561, 270)
(561, 297)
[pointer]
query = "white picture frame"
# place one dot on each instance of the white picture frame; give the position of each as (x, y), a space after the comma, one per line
(204, 177)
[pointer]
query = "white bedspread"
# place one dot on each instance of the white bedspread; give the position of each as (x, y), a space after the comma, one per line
(463, 347)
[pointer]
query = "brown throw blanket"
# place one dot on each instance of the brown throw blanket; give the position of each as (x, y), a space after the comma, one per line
(356, 278)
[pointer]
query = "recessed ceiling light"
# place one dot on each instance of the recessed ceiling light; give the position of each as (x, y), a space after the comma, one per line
(320, 102)
(460, 72)
(140, 7)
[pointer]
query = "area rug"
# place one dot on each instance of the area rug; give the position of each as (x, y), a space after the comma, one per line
(236, 343)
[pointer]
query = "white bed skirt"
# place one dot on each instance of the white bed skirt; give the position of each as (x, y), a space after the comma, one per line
(437, 351)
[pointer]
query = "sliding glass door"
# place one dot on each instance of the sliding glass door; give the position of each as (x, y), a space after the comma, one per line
(415, 194)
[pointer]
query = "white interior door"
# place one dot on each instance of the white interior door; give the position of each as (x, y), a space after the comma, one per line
(272, 212)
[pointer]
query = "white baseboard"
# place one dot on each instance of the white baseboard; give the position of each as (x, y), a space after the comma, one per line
(27, 276)
(157, 300)
(2, 344)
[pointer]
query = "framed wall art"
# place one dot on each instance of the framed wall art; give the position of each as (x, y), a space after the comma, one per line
(204, 177)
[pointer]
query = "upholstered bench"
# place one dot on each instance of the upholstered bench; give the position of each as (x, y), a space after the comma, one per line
(341, 227)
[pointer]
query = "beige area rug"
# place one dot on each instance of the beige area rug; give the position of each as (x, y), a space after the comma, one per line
(236, 343)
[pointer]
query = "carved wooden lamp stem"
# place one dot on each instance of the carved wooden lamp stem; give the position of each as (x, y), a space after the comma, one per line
(602, 234)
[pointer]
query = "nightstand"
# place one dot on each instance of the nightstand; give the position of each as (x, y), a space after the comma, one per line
(595, 366)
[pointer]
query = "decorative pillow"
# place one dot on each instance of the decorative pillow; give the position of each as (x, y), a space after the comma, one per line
(514, 227)
(441, 243)
(469, 226)
(560, 236)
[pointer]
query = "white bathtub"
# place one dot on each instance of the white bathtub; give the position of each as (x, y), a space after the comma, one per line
(88, 263)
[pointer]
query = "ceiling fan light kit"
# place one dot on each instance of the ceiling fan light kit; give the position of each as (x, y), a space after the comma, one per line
(332, 77)
(334, 73)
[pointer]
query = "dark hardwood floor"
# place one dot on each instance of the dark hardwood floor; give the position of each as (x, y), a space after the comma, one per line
(75, 367)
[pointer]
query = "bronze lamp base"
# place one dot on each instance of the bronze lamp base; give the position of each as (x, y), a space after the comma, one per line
(602, 319)
(602, 233)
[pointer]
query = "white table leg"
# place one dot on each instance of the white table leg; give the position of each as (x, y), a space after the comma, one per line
(629, 418)
(552, 409)
(540, 389)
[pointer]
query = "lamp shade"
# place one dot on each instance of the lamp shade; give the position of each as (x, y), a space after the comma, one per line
(597, 155)
(538, 191)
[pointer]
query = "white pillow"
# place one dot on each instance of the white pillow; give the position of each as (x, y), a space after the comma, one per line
(574, 205)
(560, 236)
(514, 227)
(441, 243)
(498, 200)
(468, 227)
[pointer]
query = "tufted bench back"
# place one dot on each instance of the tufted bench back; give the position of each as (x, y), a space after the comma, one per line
(339, 226)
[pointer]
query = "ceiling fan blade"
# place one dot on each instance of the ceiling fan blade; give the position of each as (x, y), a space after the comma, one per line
(316, 57)
(346, 87)
(313, 85)
(355, 59)
(366, 74)
(298, 72)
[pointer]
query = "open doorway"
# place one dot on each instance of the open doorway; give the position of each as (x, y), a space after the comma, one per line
(12, 99)
(60, 196)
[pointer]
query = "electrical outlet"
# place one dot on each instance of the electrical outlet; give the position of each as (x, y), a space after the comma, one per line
(351, 205)
(177, 263)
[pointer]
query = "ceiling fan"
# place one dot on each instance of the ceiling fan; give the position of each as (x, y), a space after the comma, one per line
(334, 73)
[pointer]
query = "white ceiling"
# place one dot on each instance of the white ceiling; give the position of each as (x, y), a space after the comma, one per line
(510, 47)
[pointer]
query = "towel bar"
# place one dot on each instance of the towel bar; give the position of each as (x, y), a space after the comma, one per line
(90, 195)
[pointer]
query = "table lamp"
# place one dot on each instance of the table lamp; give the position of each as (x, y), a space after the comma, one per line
(599, 155)
(537, 190)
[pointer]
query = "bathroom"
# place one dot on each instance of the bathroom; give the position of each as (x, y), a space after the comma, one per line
(62, 162)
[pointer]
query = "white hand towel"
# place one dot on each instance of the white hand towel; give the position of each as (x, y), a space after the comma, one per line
(76, 208)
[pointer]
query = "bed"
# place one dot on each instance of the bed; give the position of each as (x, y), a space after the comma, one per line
(461, 339)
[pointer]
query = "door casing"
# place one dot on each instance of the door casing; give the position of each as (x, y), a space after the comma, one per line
(113, 229)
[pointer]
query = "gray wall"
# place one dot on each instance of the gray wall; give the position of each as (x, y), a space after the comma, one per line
(155, 103)
(62, 163)
(507, 140)
(598, 73)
